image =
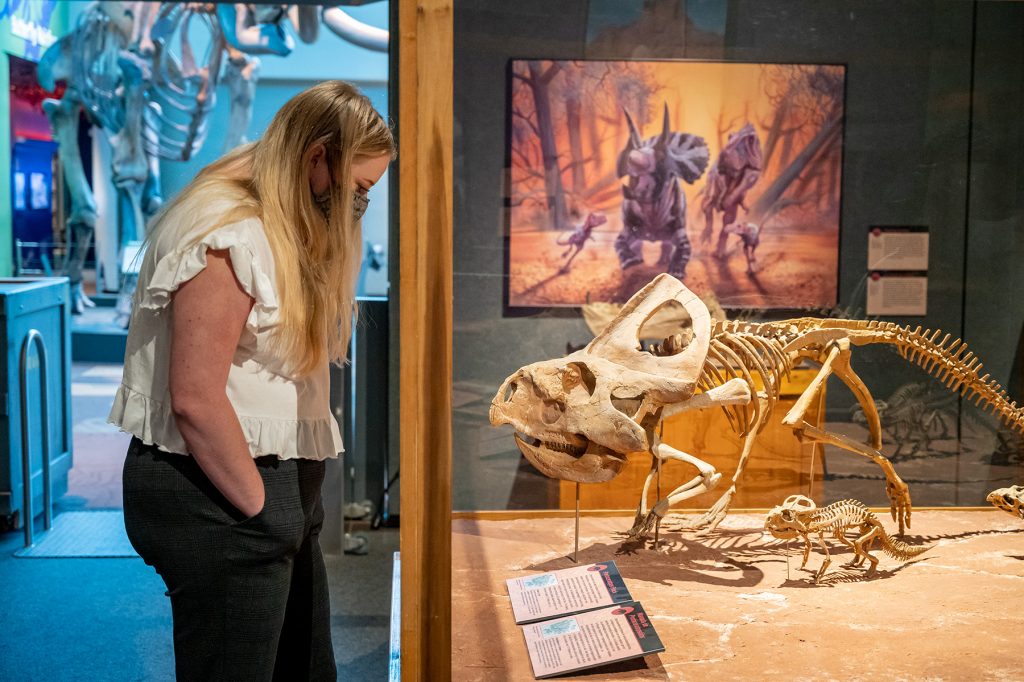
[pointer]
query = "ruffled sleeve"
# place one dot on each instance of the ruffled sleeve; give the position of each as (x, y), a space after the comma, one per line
(249, 260)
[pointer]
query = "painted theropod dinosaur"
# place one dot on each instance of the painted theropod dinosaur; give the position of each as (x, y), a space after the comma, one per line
(578, 417)
(799, 517)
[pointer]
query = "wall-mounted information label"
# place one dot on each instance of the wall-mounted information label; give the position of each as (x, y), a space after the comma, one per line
(898, 248)
(897, 293)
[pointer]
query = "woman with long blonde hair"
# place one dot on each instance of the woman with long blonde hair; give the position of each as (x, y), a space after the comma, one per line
(246, 293)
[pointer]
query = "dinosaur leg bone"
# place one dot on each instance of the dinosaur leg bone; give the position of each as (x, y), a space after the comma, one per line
(733, 392)
(899, 494)
(895, 488)
(796, 414)
(807, 550)
(81, 221)
(840, 534)
(826, 562)
(861, 544)
(844, 371)
(708, 521)
(706, 480)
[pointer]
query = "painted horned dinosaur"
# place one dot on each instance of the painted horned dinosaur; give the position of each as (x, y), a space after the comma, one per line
(577, 418)
(799, 517)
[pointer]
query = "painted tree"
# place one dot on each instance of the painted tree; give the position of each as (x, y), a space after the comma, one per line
(567, 127)
(538, 78)
(815, 95)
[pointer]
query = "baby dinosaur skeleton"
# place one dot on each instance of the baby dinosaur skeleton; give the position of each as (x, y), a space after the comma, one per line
(798, 516)
(578, 417)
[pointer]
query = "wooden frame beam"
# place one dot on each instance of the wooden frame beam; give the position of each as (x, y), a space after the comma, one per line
(425, 73)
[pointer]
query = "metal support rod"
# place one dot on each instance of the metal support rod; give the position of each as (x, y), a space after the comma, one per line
(576, 549)
(657, 521)
(34, 336)
(657, 463)
(816, 446)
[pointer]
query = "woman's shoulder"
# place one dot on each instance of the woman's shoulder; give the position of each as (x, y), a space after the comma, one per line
(214, 223)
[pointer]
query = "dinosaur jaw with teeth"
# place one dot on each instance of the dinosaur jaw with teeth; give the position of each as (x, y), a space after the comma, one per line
(572, 458)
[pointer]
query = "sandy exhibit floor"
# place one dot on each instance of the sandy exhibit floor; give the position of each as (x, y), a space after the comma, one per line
(734, 604)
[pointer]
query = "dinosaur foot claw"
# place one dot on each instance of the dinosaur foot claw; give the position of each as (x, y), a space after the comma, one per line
(709, 520)
(642, 526)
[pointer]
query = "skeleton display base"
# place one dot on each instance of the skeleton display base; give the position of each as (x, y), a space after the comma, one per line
(727, 610)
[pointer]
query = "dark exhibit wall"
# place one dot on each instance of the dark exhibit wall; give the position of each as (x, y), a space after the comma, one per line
(994, 314)
(916, 152)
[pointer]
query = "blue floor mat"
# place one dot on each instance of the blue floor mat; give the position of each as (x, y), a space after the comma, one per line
(85, 534)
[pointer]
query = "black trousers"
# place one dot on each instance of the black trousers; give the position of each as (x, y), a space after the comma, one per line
(249, 597)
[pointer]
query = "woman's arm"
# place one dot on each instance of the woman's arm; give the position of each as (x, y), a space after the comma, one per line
(209, 314)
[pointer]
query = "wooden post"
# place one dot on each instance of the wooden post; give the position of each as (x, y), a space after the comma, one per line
(424, 43)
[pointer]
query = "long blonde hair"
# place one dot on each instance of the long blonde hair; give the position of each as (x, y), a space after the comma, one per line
(316, 255)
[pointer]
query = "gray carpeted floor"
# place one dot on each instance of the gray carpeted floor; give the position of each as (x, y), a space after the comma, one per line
(97, 534)
(108, 619)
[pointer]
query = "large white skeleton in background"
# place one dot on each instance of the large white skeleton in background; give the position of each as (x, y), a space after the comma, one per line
(133, 68)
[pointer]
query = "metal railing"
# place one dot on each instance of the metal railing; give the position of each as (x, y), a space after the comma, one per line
(39, 258)
(34, 338)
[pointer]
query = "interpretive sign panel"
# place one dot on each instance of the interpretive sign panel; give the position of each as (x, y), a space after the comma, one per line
(568, 591)
(587, 640)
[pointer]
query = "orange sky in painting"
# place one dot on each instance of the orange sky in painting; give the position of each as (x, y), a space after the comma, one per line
(701, 96)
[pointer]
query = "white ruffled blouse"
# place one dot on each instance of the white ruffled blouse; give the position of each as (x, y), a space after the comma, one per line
(279, 415)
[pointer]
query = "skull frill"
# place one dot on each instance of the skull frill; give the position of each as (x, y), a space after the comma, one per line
(578, 417)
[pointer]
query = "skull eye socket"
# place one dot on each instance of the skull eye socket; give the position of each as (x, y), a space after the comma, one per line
(787, 515)
(577, 374)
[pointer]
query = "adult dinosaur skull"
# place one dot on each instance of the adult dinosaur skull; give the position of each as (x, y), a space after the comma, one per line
(578, 417)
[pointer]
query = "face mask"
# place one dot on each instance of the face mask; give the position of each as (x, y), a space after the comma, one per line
(359, 204)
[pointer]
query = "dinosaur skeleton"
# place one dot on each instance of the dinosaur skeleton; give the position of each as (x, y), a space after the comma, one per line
(799, 517)
(1010, 500)
(132, 67)
(577, 418)
(913, 416)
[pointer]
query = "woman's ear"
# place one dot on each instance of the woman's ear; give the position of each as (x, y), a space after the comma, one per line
(317, 168)
(315, 155)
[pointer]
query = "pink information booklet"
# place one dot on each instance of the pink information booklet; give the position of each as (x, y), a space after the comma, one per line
(567, 591)
(587, 640)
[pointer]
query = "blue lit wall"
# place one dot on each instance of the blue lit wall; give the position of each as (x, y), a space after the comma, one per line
(25, 27)
(282, 77)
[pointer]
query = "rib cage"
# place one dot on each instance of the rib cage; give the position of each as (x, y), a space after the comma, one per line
(838, 516)
(745, 349)
(750, 357)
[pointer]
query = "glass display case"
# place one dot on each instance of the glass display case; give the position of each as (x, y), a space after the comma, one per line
(848, 167)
